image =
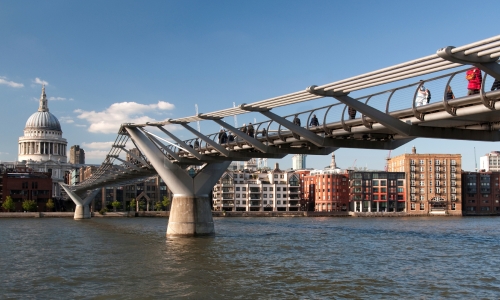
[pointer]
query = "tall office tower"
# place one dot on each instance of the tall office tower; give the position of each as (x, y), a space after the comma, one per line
(76, 155)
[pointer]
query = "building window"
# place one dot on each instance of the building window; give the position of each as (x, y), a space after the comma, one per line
(278, 195)
(412, 206)
(422, 207)
(265, 195)
(264, 189)
(243, 189)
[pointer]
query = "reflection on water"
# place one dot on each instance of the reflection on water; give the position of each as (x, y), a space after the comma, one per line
(251, 258)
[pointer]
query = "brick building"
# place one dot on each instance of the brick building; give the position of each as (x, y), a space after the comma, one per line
(481, 193)
(23, 184)
(377, 191)
(326, 190)
(433, 182)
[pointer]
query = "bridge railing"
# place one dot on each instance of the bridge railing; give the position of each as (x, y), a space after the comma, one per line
(398, 101)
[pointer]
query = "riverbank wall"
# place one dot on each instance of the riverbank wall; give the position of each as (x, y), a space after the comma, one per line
(220, 214)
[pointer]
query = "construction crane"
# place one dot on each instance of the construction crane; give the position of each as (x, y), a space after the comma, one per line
(354, 164)
(386, 168)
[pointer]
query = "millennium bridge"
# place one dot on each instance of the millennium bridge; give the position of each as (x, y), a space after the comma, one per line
(386, 119)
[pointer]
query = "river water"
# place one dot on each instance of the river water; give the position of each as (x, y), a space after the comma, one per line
(252, 258)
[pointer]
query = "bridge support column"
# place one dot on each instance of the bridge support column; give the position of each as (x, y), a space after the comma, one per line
(82, 210)
(191, 213)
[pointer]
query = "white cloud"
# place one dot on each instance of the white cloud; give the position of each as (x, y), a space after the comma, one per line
(95, 154)
(4, 81)
(39, 81)
(80, 125)
(109, 120)
(56, 98)
(67, 120)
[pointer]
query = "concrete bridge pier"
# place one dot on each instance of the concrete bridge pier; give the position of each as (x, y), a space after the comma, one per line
(190, 213)
(82, 210)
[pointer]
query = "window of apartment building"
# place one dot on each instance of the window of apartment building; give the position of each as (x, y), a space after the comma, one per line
(453, 162)
(453, 206)
(282, 176)
(383, 190)
(278, 202)
(422, 198)
(243, 189)
(412, 162)
(237, 202)
(284, 189)
(264, 195)
(375, 182)
(375, 190)
(238, 196)
(486, 201)
(243, 195)
(237, 188)
(244, 202)
(278, 189)
(375, 197)
(270, 195)
(383, 182)
(422, 206)
(471, 201)
(485, 208)
(278, 195)
(271, 189)
(270, 201)
(284, 201)
(422, 169)
(422, 183)
(275, 175)
(264, 189)
(430, 190)
(412, 206)
(421, 161)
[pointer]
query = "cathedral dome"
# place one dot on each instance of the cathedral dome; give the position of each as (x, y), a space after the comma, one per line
(43, 119)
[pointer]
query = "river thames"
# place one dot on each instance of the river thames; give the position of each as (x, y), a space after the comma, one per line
(252, 258)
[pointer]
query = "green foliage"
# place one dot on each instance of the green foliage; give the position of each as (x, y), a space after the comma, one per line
(8, 204)
(103, 211)
(132, 204)
(116, 204)
(166, 202)
(50, 204)
(158, 206)
(142, 205)
(29, 205)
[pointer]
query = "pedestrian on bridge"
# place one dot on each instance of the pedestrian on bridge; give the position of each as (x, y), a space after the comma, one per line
(314, 121)
(475, 81)
(496, 85)
(250, 130)
(264, 132)
(352, 113)
(296, 121)
(222, 137)
(244, 128)
(421, 98)
(449, 93)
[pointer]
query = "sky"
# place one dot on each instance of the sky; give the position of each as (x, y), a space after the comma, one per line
(105, 63)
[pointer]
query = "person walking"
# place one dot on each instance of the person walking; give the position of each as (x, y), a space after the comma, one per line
(244, 128)
(352, 113)
(314, 121)
(222, 137)
(475, 80)
(250, 130)
(296, 121)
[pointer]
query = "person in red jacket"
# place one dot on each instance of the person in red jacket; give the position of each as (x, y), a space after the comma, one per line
(475, 80)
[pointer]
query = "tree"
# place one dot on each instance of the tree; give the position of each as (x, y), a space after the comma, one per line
(166, 202)
(8, 204)
(142, 205)
(116, 204)
(132, 204)
(158, 206)
(49, 204)
(29, 205)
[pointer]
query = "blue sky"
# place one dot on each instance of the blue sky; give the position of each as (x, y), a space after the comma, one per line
(111, 62)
